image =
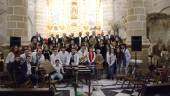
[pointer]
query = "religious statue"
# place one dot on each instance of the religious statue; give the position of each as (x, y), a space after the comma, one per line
(74, 10)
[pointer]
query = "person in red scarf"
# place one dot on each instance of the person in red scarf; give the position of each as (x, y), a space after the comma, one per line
(91, 59)
(91, 56)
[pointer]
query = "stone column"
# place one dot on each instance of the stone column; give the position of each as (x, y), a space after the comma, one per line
(3, 13)
(17, 19)
(136, 20)
(107, 14)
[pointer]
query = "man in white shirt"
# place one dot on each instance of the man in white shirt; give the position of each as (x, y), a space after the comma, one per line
(57, 40)
(59, 71)
(38, 57)
(74, 57)
(126, 57)
(79, 39)
(64, 56)
(32, 76)
(26, 54)
(54, 56)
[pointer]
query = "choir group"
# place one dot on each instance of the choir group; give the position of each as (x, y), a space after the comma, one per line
(107, 53)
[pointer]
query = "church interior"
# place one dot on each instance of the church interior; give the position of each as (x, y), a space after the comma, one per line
(84, 47)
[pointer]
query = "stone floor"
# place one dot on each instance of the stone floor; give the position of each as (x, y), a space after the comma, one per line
(99, 88)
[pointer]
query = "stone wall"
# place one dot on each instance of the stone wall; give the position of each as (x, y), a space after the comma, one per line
(136, 20)
(17, 19)
(119, 16)
(3, 23)
(108, 14)
(157, 30)
(31, 17)
(160, 4)
(41, 16)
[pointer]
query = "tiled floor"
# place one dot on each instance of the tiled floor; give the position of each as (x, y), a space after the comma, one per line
(106, 88)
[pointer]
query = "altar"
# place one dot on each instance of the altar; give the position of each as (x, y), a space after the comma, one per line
(74, 16)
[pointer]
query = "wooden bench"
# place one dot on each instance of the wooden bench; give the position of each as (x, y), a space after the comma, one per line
(26, 92)
(154, 90)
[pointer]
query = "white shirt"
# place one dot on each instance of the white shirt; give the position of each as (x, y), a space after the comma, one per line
(79, 40)
(54, 57)
(29, 69)
(83, 54)
(110, 58)
(10, 58)
(41, 58)
(23, 55)
(51, 38)
(39, 38)
(64, 57)
(56, 40)
(127, 56)
(58, 69)
(75, 57)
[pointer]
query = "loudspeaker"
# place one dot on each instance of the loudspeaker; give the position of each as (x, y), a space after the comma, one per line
(15, 41)
(136, 43)
(26, 92)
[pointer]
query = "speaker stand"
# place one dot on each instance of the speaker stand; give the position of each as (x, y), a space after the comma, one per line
(135, 65)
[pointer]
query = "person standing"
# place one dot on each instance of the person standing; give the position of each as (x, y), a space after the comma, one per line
(73, 57)
(10, 58)
(83, 54)
(119, 60)
(79, 39)
(91, 59)
(54, 56)
(51, 40)
(111, 60)
(64, 56)
(126, 57)
(99, 63)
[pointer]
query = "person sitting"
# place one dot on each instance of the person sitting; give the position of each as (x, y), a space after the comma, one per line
(59, 71)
